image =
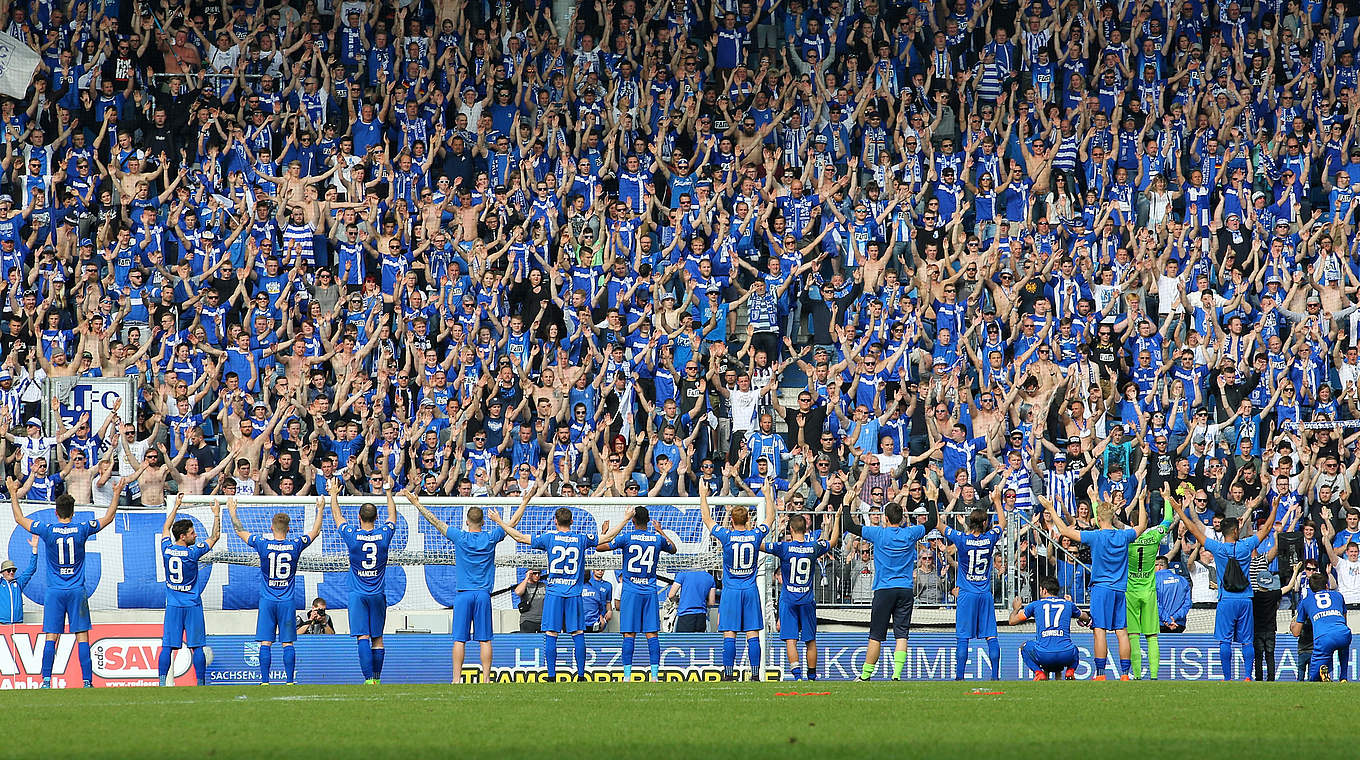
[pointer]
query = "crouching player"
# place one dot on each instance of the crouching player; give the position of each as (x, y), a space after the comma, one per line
(1326, 610)
(181, 552)
(1052, 650)
(797, 607)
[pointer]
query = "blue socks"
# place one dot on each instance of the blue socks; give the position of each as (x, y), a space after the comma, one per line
(578, 644)
(1225, 660)
(654, 654)
(994, 652)
(49, 657)
(290, 663)
(266, 659)
(796, 673)
(163, 664)
(1248, 657)
(86, 667)
(365, 657)
(1125, 666)
(200, 665)
(753, 656)
(960, 658)
(729, 654)
(378, 654)
(551, 656)
(629, 643)
(1100, 666)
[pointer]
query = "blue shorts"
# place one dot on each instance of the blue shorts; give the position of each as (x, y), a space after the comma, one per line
(1233, 622)
(184, 627)
(638, 612)
(739, 610)
(1323, 649)
(976, 616)
(562, 614)
(367, 614)
(62, 606)
(472, 616)
(1108, 609)
(797, 622)
(276, 616)
(1048, 660)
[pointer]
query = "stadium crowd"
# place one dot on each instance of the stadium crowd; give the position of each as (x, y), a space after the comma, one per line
(965, 253)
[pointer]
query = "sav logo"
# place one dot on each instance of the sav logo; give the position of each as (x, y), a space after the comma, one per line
(131, 658)
(251, 651)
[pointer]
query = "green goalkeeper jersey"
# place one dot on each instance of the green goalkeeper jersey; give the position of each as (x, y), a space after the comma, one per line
(1143, 559)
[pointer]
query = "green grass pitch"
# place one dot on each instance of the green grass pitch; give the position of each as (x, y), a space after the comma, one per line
(701, 721)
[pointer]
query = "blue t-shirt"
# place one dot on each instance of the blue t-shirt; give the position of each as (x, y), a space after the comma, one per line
(1327, 611)
(695, 586)
(368, 555)
(1052, 618)
(64, 545)
(474, 557)
(894, 554)
(596, 594)
(181, 572)
(1109, 556)
(641, 551)
(566, 560)
(278, 564)
(797, 561)
(975, 559)
(739, 555)
(1240, 550)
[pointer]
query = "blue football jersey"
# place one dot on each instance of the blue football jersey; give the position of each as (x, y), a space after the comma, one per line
(64, 546)
(1109, 556)
(1327, 611)
(894, 554)
(368, 555)
(975, 558)
(641, 556)
(474, 557)
(739, 555)
(566, 560)
(181, 572)
(278, 564)
(1052, 618)
(797, 564)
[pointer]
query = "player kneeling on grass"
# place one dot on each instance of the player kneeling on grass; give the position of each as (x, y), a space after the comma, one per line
(566, 550)
(1109, 577)
(1326, 610)
(797, 607)
(181, 552)
(739, 609)
(278, 572)
(639, 608)
(368, 546)
(894, 579)
(1052, 650)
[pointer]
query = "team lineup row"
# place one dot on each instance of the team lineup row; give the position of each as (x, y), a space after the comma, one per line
(1123, 598)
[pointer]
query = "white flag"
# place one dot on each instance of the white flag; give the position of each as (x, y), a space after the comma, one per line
(17, 64)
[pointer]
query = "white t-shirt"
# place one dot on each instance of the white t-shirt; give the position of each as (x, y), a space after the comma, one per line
(744, 404)
(36, 448)
(1348, 579)
(1201, 576)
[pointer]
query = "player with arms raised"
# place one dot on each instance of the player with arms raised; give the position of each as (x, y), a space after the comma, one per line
(1331, 635)
(566, 549)
(368, 546)
(894, 580)
(1052, 650)
(1109, 577)
(181, 553)
(278, 555)
(1140, 596)
(976, 617)
(739, 609)
(639, 609)
(65, 602)
(797, 606)
(474, 573)
(1234, 621)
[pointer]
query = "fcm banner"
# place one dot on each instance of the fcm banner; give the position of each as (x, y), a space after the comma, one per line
(95, 396)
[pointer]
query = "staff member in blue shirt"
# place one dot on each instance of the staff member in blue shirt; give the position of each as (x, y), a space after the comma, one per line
(596, 595)
(1173, 596)
(693, 592)
(12, 586)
